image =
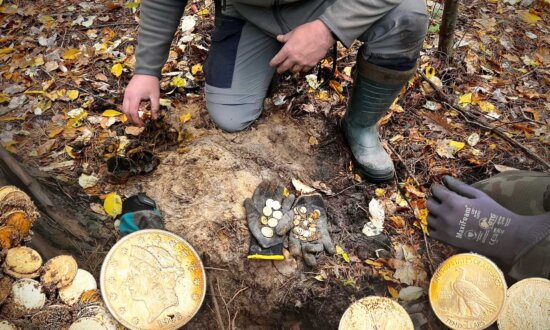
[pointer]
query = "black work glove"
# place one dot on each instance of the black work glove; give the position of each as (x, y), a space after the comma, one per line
(264, 211)
(307, 223)
(467, 218)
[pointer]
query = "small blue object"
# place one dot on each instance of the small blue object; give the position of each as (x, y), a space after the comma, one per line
(128, 224)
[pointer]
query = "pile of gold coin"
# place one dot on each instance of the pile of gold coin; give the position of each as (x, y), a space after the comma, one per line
(305, 224)
(272, 214)
(17, 214)
(375, 313)
(467, 291)
(46, 296)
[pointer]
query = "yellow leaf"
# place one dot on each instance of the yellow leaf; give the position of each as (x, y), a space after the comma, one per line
(10, 146)
(465, 99)
(72, 94)
(286, 192)
(71, 54)
(178, 82)
(111, 113)
(486, 106)
(117, 69)
(113, 204)
(69, 151)
(393, 292)
(184, 118)
(33, 92)
(379, 192)
(202, 12)
(456, 145)
(55, 132)
(197, 68)
(323, 95)
(530, 18)
(336, 86)
(6, 50)
(4, 98)
(373, 263)
(165, 102)
(38, 61)
(430, 73)
(341, 252)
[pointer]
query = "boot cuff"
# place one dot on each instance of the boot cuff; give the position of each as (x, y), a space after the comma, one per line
(383, 75)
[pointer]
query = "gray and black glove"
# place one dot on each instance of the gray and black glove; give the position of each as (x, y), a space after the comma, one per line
(307, 223)
(264, 211)
(467, 218)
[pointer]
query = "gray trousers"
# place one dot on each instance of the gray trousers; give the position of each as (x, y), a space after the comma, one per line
(238, 73)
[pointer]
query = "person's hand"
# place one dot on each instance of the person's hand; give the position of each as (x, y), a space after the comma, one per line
(469, 219)
(303, 47)
(141, 87)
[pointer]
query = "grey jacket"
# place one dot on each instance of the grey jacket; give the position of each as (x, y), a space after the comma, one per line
(347, 19)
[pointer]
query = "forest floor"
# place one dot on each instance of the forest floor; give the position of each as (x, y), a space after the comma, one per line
(65, 65)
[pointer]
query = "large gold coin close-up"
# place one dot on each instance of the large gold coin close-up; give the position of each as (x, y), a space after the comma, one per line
(467, 291)
(527, 306)
(153, 279)
(375, 313)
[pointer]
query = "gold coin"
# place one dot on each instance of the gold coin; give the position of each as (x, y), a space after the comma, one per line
(22, 260)
(375, 313)
(267, 232)
(527, 306)
(467, 291)
(59, 271)
(153, 279)
(263, 220)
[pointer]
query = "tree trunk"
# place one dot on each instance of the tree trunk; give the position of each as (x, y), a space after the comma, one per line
(447, 28)
(66, 226)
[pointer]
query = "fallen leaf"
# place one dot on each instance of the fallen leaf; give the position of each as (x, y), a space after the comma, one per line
(71, 54)
(370, 229)
(134, 130)
(72, 94)
(116, 70)
(87, 181)
(111, 113)
(178, 82)
(113, 204)
(529, 17)
(342, 253)
(448, 148)
(313, 141)
(185, 117)
(393, 292)
(197, 68)
(301, 187)
(411, 293)
(379, 192)
(473, 139)
(376, 212)
(503, 168)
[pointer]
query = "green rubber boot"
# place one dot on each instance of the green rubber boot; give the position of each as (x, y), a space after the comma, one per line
(374, 90)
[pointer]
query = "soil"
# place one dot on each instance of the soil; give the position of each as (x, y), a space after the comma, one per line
(200, 193)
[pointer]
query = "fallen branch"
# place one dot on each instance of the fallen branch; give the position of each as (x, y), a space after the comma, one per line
(483, 124)
(216, 306)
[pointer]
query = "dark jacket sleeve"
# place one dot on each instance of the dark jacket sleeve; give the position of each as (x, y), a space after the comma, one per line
(348, 19)
(159, 21)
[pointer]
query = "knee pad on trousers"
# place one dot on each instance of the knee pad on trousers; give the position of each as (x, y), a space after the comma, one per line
(395, 42)
(233, 117)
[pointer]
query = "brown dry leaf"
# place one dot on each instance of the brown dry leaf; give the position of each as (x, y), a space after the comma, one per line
(313, 141)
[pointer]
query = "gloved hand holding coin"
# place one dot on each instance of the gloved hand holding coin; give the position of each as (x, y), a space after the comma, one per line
(264, 211)
(307, 224)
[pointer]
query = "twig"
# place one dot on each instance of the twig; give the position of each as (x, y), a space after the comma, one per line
(226, 308)
(483, 124)
(107, 25)
(236, 294)
(214, 268)
(215, 301)
(345, 189)
(403, 162)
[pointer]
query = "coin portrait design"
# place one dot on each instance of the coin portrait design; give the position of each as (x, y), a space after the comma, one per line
(152, 279)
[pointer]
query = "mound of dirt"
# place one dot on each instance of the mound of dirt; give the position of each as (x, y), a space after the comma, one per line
(201, 192)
